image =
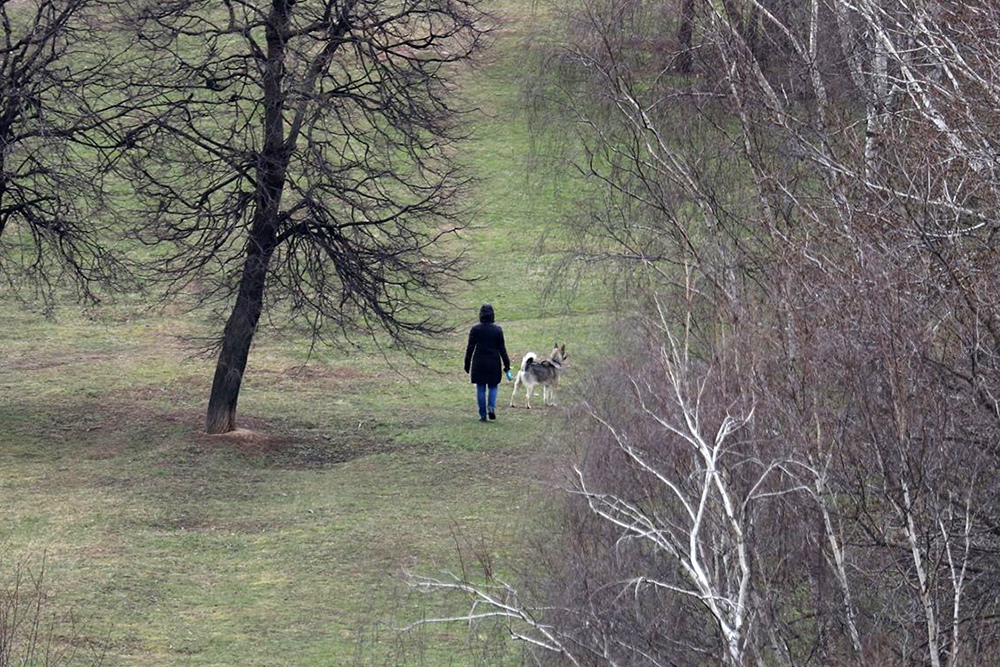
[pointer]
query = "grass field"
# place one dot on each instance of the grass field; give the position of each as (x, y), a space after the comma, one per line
(285, 543)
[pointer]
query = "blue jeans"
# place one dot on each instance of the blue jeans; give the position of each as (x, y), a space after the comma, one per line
(484, 402)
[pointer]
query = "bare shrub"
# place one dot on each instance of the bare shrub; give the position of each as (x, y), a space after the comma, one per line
(791, 459)
(33, 631)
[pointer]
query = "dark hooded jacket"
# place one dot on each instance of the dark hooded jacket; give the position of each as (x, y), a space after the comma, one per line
(486, 355)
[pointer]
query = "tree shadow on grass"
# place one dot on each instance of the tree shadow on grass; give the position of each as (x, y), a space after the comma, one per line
(168, 426)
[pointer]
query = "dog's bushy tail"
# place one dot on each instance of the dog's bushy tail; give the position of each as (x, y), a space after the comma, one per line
(529, 358)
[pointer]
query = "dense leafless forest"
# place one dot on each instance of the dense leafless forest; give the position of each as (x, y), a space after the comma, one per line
(792, 460)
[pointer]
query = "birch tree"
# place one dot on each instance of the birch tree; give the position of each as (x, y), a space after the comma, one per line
(678, 490)
(819, 233)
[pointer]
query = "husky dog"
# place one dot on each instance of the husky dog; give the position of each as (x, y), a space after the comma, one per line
(543, 371)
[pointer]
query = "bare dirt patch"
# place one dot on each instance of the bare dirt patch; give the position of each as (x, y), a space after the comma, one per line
(297, 452)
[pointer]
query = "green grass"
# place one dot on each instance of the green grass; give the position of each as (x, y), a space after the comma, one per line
(285, 544)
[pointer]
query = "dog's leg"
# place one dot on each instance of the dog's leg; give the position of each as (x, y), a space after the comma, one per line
(517, 382)
(529, 389)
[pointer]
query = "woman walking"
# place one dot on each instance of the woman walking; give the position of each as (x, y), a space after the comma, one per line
(485, 359)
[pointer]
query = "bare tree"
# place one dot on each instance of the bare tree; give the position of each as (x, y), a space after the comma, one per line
(54, 69)
(818, 242)
(301, 157)
(675, 499)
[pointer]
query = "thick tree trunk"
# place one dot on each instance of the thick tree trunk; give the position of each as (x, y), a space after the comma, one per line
(236, 341)
(271, 170)
(685, 38)
(239, 331)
